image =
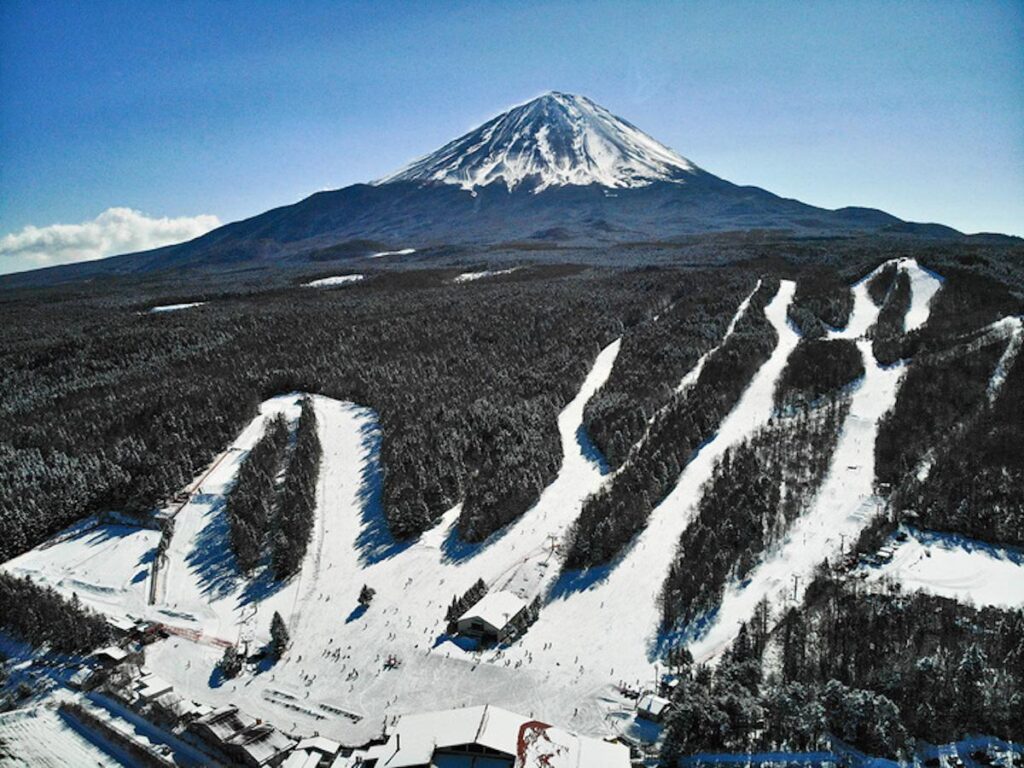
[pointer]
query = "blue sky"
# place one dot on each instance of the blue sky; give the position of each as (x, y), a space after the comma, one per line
(230, 108)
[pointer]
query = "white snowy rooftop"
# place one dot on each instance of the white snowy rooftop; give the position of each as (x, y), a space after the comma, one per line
(319, 744)
(652, 705)
(112, 652)
(496, 608)
(416, 738)
(301, 758)
(151, 686)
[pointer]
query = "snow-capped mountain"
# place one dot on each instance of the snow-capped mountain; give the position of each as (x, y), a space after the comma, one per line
(559, 169)
(555, 140)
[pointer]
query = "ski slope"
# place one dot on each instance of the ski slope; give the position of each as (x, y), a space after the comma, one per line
(953, 566)
(347, 669)
(846, 501)
(333, 678)
(107, 565)
(1013, 328)
(694, 373)
(606, 628)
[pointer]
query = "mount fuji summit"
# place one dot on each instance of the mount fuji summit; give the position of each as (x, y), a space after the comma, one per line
(558, 170)
(555, 140)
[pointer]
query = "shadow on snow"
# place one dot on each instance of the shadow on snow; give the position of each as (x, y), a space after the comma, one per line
(212, 559)
(375, 542)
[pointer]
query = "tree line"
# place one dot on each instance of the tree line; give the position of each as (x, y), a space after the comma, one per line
(296, 511)
(755, 493)
(107, 407)
(250, 503)
(882, 671)
(657, 353)
(887, 334)
(41, 617)
(947, 453)
(822, 300)
(816, 369)
(612, 516)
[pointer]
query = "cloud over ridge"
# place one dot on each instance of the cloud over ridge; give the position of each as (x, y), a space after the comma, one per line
(115, 231)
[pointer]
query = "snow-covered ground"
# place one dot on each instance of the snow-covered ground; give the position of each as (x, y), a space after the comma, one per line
(107, 566)
(596, 628)
(333, 678)
(846, 501)
(382, 254)
(469, 277)
(604, 625)
(175, 307)
(328, 282)
(953, 566)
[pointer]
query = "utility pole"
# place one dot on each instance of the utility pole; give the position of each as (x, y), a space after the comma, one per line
(795, 580)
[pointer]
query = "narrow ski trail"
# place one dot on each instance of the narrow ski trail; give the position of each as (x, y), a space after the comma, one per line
(846, 501)
(608, 630)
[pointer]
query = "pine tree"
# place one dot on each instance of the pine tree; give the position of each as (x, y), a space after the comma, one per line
(230, 662)
(278, 636)
(366, 596)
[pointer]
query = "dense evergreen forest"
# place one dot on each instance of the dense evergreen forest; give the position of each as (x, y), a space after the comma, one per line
(108, 407)
(743, 509)
(949, 450)
(250, 504)
(105, 406)
(888, 342)
(295, 515)
(655, 356)
(877, 669)
(41, 617)
(823, 300)
(615, 514)
(817, 368)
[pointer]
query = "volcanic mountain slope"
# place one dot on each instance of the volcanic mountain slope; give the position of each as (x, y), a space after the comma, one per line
(557, 169)
(555, 140)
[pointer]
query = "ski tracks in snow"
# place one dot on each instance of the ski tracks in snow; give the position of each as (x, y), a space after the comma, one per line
(845, 503)
(609, 630)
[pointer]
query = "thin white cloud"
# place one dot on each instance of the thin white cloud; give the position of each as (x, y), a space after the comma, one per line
(116, 230)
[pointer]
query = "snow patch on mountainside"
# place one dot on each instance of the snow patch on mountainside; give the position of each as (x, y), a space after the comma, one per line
(1014, 329)
(469, 277)
(382, 254)
(329, 282)
(175, 307)
(555, 140)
